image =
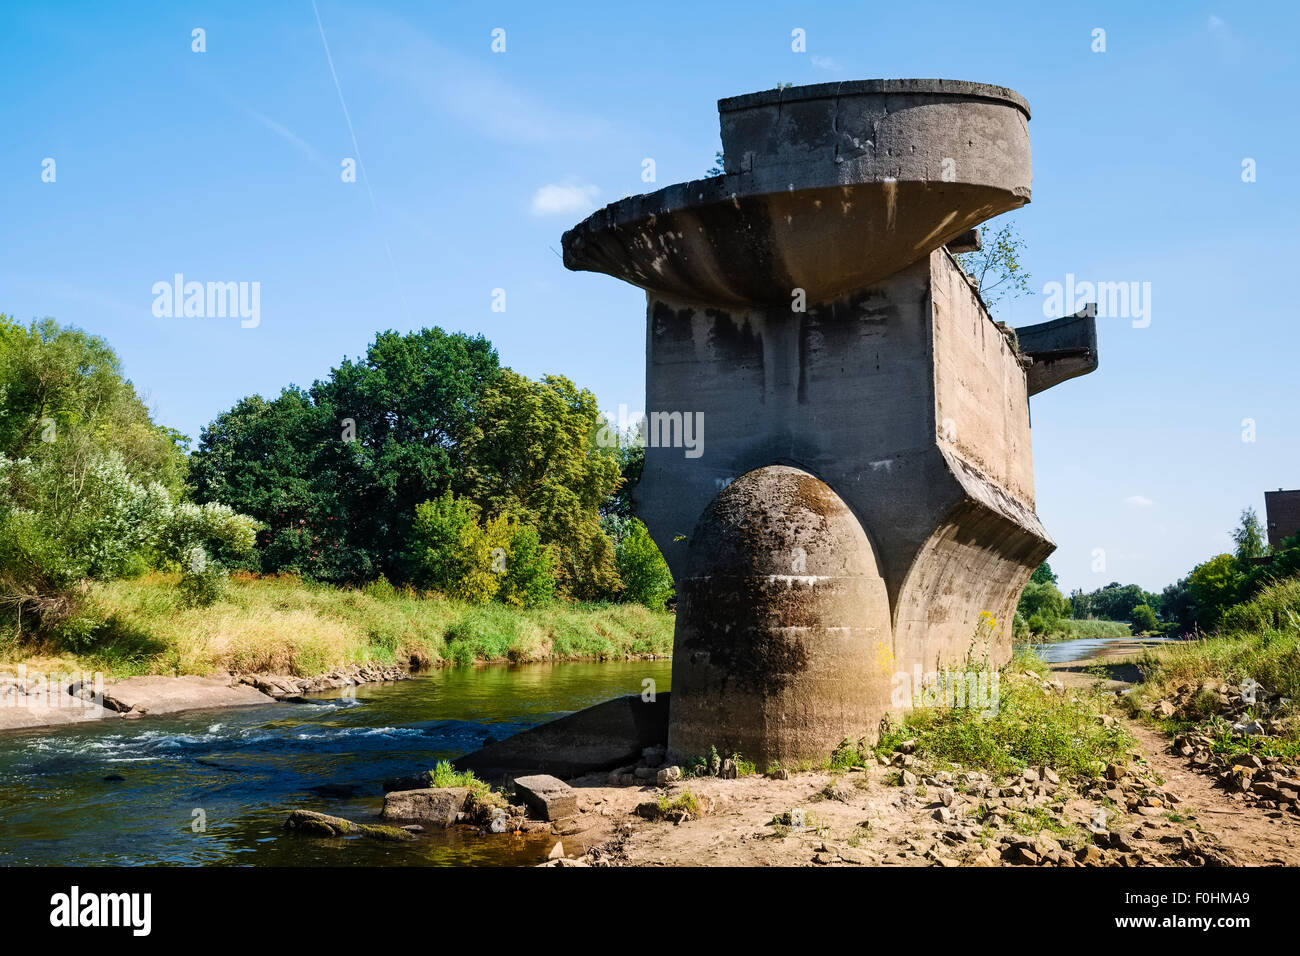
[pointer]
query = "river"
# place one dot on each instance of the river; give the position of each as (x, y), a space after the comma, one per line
(215, 788)
(1086, 648)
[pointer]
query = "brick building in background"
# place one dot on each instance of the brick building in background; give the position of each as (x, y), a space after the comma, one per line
(1283, 510)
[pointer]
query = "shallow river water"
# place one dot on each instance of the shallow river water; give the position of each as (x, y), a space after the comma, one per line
(1085, 648)
(135, 792)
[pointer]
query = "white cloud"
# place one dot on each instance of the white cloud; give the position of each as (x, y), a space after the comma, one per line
(1138, 501)
(827, 63)
(568, 199)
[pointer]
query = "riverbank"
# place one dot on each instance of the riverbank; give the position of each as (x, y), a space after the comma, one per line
(1065, 775)
(1072, 629)
(285, 626)
(36, 701)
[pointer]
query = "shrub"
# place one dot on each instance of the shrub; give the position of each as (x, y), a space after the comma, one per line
(1215, 586)
(530, 570)
(1143, 618)
(645, 574)
(441, 527)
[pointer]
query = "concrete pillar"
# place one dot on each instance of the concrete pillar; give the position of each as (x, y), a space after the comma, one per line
(863, 417)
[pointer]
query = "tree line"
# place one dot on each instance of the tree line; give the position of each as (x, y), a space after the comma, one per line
(424, 462)
(1200, 601)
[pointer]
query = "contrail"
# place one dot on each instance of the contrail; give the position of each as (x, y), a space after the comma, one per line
(356, 148)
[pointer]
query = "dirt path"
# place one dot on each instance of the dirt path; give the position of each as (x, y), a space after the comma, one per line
(1254, 836)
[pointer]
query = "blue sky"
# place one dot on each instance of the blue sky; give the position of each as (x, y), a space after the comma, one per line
(225, 166)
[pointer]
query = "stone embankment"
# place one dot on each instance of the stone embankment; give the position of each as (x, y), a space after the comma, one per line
(33, 702)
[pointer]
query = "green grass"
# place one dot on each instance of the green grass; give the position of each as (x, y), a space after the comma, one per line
(1031, 728)
(1270, 656)
(1069, 629)
(444, 775)
(686, 801)
(1260, 640)
(285, 625)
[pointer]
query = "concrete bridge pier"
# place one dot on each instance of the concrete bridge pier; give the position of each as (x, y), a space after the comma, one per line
(858, 508)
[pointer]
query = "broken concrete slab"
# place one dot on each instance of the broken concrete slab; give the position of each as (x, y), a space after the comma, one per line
(608, 735)
(169, 695)
(548, 797)
(431, 805)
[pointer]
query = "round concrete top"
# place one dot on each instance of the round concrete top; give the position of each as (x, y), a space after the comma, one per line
(815, 91)
(827, 188)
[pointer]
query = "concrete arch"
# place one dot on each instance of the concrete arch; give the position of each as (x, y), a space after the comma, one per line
(782, 644)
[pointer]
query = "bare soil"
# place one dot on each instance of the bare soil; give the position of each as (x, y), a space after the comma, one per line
(865, 817)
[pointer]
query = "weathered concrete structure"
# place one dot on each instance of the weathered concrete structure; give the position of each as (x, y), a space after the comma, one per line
(863, 505)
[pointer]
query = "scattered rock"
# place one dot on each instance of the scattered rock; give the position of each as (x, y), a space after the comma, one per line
(669, 776)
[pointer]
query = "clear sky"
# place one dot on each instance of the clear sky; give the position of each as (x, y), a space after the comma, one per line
(226, 165)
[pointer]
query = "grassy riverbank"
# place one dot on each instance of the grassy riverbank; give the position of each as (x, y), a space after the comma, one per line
(1246, 672)
(284, 625)
(1259, 639)
(1071, 629)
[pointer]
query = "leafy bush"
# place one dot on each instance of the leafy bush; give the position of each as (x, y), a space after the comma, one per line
(442, 525)
(643, 570)
(530, 570)
(62, 522)
(1215, 586)
(1277, 607)
(1143, 618)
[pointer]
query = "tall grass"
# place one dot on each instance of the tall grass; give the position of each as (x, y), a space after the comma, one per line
(1069, 629)
(1032, 727)
(289, 626)
(1259, 639)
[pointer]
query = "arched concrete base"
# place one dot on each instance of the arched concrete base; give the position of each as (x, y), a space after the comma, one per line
(782, 646)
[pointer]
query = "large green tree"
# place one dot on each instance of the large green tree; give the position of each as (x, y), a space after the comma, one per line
(90, 487)
(1215, 585)
(63, 395)
(533, 455)
(336, 472)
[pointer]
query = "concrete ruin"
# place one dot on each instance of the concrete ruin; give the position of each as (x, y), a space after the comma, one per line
(862, 504)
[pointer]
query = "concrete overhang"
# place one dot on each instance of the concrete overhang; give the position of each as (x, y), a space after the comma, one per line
(1059, 350)
(828, 188)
